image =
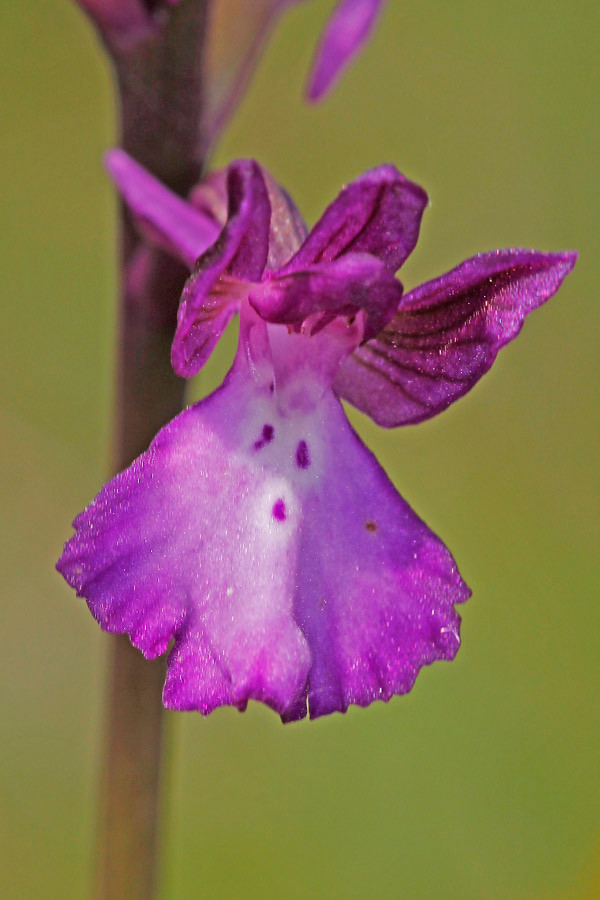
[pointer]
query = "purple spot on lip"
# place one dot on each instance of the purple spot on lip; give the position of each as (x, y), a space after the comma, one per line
(302, 455)
(268, 433)
(279, 512)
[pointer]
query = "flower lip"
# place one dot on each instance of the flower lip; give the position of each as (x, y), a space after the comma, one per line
(263, 568)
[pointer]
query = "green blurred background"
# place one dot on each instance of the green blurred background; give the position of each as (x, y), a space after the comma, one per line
(484, 781)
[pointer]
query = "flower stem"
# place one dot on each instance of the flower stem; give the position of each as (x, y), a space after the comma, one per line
(160, 91)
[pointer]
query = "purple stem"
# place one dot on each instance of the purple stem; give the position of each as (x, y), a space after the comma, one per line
(160, 90)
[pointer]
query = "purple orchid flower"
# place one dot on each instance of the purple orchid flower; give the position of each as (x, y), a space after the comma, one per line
(257, 532)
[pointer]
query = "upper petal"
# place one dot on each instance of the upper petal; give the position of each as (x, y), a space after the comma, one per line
(178, 226)
(378, 213)
(347, 31)
(344, 287)
(213, 292)
(447, 334)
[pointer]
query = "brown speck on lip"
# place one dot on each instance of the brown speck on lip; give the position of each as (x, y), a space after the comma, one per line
(371, 526)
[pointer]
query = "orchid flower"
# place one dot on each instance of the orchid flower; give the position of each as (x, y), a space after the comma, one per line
(257, 532)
